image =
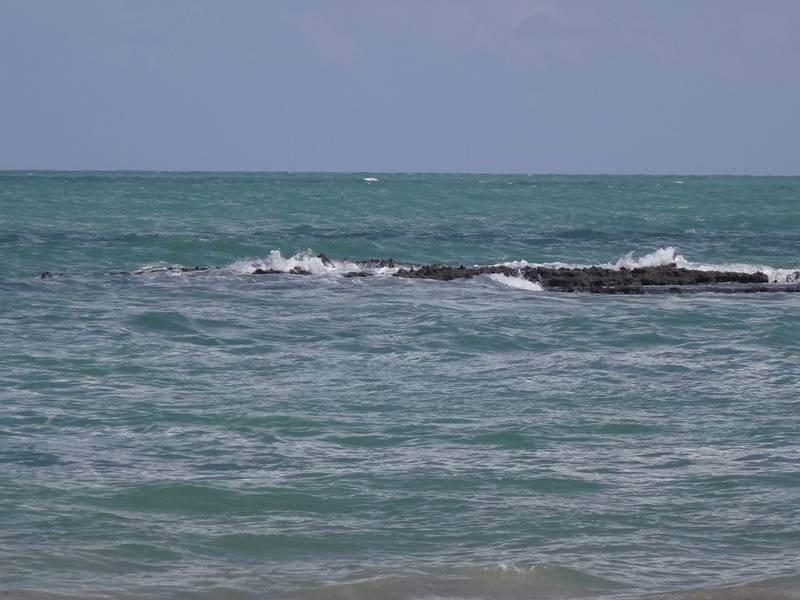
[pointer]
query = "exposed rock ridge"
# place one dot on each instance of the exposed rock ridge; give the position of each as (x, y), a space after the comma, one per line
(664, 279)
(596, 280)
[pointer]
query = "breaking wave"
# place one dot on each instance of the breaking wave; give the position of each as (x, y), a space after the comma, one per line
(308, 262)
(658, 258)
(518, 283)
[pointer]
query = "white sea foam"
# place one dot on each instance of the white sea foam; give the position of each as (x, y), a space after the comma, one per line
(307, 262)
(661, 257)
(302, 261)
(370, 179)
(518, 283)
(521, 264)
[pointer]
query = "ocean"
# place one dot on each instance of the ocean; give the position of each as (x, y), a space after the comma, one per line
(221, 434)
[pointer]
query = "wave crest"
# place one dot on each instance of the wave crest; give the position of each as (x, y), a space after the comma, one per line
(658, 258)
(306, 262)
(518, 283)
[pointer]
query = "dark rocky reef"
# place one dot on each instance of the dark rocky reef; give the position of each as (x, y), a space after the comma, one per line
(260, 271)
(598, 280)
(358, 274)
(634, 281)
(665, 279)
(378, 263)
(448, 273)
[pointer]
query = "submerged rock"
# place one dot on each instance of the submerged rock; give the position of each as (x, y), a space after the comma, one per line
(448, 273)
(165, 269)
(292, 271)
(260, 271)
(377, 263)
(357, 274)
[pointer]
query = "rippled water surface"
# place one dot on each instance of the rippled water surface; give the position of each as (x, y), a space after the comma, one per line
(220, 434)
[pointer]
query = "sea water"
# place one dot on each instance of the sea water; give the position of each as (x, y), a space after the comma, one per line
(221, 434)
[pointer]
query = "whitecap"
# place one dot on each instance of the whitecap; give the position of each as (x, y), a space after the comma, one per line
(518, 283)
(658, 258)
(307, 262)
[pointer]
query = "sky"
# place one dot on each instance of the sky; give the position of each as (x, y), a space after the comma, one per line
(523, 86)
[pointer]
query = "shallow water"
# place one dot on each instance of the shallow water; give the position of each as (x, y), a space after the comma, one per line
(222, 435)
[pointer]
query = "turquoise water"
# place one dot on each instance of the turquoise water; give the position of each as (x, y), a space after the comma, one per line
(226, 435)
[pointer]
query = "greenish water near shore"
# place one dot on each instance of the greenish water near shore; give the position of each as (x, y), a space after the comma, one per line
(220, 434)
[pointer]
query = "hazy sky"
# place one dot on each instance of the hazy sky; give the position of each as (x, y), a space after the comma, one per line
(570, 86)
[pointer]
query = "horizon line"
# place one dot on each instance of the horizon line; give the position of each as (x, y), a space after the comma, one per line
(398, 172)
